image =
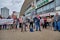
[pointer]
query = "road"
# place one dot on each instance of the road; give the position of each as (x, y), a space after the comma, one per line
(37, 35)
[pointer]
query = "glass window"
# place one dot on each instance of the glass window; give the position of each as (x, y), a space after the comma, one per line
(57, 2)
(44, 8)
(39, 10)
(47, 7)
(52, 5)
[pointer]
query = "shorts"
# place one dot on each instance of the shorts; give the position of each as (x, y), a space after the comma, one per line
(20, 25)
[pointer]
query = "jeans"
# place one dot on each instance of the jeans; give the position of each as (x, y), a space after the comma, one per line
(55, 26)
(24, 25)
(37, 26)
(58, 25)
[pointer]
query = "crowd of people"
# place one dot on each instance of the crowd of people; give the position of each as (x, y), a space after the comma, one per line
(38, 23)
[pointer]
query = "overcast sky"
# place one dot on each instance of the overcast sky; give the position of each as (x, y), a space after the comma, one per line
(12, 5)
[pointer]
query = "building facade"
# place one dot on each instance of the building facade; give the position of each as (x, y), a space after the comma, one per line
(25, 6)
(43, 7)
(4, 12)
(48, 7)
(30, 11)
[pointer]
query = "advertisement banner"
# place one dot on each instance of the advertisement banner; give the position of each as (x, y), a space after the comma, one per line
(6, 21)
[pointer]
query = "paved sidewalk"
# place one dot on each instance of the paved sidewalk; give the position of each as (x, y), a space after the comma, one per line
(17, 35)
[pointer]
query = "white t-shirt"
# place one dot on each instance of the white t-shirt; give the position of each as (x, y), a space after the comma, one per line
(42, 21)
(24, 19)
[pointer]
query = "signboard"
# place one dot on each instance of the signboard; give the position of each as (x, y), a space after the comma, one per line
(44, 15)
(58, 8)
(6, 21)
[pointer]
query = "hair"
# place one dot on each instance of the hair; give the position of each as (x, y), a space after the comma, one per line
(23, 14)
(40, 17)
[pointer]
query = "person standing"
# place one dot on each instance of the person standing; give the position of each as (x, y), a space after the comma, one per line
(24, 22)
(37, 22)
(31, 23)
(14, 17)
(45, 22)
(56, 21)
(9, 25)
(0, 25)
(42, 22)
(49, 22)
(4, 25)
(21, 23)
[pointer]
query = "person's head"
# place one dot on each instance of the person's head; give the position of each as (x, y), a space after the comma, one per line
(24, 15)
(0, 16)
(31, 17)
(48, 17)
(40, 17)
(20, 17)
(56, 14)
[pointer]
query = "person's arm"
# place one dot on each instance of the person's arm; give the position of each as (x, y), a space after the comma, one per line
(54, 18)
(58, 18)
(33, 19)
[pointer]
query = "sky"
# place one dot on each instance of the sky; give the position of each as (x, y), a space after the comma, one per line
(12, 5)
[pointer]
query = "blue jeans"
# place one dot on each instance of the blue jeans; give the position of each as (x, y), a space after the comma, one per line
(37, 26)
(55, 26)
(58, 23)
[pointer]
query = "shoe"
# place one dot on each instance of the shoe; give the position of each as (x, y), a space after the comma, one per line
(54, 30)
(36, 30)
(59, 30)
(39, 30)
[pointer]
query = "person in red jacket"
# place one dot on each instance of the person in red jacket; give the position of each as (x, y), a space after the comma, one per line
(45, 22)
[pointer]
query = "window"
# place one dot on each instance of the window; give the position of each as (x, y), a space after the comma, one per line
(57, 2)
(52, 5)
(44, 8)
(39, 10)
(47, 7)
